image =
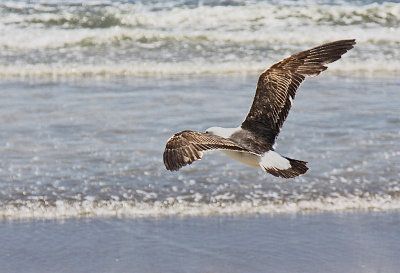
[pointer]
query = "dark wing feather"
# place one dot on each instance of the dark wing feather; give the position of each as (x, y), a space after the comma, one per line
(278, 84)
(187, 146)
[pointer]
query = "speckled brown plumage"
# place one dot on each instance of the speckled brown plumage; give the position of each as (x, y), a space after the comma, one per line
(278, 85)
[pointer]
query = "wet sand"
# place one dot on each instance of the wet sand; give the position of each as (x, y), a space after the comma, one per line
(315, 242)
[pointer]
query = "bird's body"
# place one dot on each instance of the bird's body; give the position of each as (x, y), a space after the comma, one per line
(252, 142)
(247, 158)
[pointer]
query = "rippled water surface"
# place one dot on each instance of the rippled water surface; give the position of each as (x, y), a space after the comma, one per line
(94, 147)
(90, 93)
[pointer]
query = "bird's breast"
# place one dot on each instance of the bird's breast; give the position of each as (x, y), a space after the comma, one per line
(243, 157)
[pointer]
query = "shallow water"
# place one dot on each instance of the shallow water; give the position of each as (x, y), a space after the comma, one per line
(91, 92)
(94, 147)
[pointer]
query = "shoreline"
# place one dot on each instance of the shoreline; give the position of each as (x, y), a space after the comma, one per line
(132, 210)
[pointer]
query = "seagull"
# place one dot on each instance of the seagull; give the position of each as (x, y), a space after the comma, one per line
(252, 142)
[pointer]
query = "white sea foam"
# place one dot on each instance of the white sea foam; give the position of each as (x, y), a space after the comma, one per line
(15, 37)
(93, 208)
(184, 68)
(235, 17)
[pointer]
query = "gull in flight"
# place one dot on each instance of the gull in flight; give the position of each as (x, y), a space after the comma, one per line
(252, 142)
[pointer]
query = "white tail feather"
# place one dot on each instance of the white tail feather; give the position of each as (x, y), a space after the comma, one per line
(272, 160)
(281, 166)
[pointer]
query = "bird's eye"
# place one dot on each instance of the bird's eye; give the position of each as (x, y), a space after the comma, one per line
(206, 132)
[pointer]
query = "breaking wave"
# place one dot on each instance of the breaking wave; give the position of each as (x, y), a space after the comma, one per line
(74, 70)
(174, 37)
(91, 208)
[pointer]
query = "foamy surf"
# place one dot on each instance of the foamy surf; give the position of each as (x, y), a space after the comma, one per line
(91, 208)
(134, 38)
(367, 67)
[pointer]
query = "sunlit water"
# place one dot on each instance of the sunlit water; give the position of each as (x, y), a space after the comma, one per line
(90, 93)
(94, 147)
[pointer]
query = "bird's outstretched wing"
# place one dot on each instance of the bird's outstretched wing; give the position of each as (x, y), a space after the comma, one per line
(277, 86)
(185, 147)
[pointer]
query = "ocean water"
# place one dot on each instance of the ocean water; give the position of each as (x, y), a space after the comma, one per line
(90, 93)
(58, 38)
(90, 147)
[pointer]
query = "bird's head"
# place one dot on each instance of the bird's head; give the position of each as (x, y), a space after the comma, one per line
(219, 131)
(212, 130)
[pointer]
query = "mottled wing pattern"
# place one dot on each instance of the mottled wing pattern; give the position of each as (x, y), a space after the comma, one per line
(277, 86)
(187, 146)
